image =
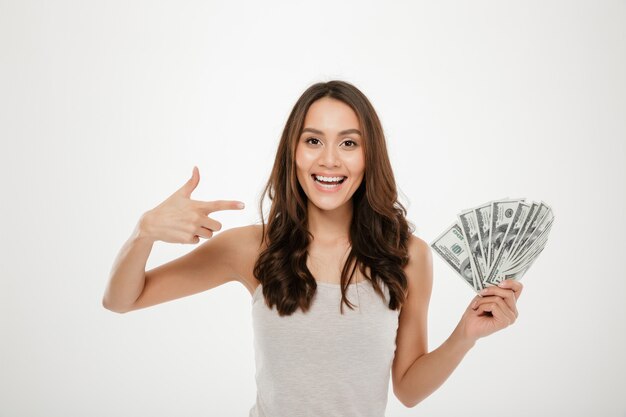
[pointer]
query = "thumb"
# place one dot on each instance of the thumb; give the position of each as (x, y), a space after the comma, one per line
(191, 183)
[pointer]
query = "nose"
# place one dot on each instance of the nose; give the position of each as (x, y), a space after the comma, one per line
(329, 157)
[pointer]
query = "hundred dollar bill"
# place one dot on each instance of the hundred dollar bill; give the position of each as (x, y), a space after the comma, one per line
(483, 223)
(515, 215)
(538, 231)
(531, 250)
(528, 231)
(450, 245)
(518, 272)
(515, 269)
(502, 212)
(526, 260)
(517, 224)
(467, 221)
(531, 213)
(513, 232)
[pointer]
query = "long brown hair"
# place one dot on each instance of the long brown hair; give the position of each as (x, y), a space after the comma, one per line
(379, 231)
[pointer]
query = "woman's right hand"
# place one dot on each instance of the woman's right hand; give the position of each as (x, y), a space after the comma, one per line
(179, 219)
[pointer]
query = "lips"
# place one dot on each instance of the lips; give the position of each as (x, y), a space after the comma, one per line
(314, 176)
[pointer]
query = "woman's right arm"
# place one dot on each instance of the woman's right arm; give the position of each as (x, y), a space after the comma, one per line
(177, 220)
(128, 275)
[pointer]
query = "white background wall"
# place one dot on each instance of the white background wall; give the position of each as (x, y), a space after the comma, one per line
(105, 106)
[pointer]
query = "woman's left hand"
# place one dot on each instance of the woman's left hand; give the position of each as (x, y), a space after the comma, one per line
(494, 311)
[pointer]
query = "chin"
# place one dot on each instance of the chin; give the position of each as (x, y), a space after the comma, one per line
(327, 206)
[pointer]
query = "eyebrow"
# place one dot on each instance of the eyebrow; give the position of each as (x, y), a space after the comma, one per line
(343, 132)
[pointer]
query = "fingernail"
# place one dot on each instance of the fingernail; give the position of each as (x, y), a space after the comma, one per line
(474, 305)
(501, 284)
(484, 291)
(241, 205)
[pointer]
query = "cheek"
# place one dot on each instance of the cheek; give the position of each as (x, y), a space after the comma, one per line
(357, 163)
(304, 159)
(302, 165)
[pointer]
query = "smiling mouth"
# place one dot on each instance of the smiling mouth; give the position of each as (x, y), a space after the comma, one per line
(329, 182)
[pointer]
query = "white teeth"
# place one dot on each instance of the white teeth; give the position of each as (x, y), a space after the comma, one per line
(328, 179)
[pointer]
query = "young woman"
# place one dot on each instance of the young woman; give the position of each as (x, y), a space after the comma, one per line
(336, 237)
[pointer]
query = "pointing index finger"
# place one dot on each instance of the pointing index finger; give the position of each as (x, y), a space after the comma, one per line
(218, 205)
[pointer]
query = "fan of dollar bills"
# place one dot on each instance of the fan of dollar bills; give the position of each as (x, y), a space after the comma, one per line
(495, 241)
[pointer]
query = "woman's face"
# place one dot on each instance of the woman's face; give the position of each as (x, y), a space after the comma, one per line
(330, 145)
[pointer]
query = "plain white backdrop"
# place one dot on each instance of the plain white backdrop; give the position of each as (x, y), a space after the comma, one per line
(105, 106)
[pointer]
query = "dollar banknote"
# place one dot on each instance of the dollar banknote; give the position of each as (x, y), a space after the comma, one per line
(495, 241)
(469, 228)
(450, 245)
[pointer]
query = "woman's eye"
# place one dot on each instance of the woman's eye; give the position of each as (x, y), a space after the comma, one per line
(315, 141)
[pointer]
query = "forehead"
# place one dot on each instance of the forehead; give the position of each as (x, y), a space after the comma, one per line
(331, 114)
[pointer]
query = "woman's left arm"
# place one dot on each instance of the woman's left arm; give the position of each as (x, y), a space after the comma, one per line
(416, 372)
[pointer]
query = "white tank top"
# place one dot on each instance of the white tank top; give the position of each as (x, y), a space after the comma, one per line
(322, 363)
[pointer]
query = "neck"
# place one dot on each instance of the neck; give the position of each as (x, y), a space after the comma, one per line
(330, 226)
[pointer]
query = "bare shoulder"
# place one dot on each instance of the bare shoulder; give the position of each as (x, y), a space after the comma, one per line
(246, 236)
(248, 241)
(418, 248)
(419, 267)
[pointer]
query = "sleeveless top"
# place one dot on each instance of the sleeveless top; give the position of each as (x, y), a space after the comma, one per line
(323, 363)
